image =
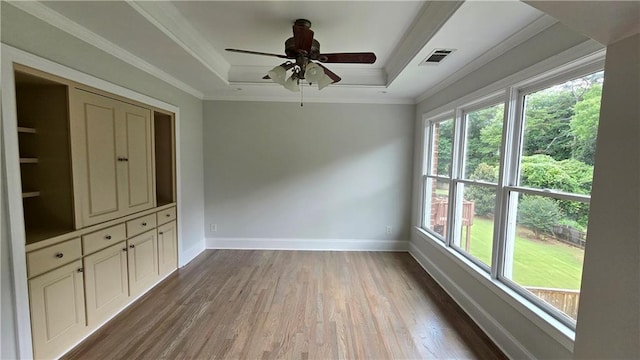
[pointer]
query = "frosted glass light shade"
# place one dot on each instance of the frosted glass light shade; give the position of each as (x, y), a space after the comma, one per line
(278, 74)
(291, 84)
(313, 73)
(324, 81)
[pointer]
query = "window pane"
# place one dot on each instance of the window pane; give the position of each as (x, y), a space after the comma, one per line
(560, 131)
(475, 216)
(548, 250)
(442, 140)
(436, 206)
(482, 143)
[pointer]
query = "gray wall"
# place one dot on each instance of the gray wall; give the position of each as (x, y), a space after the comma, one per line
(487, 304)
(324, 171)
(609, 314)
(25, 32)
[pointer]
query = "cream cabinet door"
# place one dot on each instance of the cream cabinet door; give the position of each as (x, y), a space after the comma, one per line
(143, 262)
(95, 157)
(167, 248)
(137, 174)
(106, 283)
(57, 310)
(112, 158)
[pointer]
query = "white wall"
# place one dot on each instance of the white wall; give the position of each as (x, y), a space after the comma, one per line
(322, 171)
(513, 326)
(609, 314)
(25, 32)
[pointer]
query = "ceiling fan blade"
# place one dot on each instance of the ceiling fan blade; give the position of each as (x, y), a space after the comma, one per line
(256, 53)
(353, 58)
(302, 38)
(330, 73)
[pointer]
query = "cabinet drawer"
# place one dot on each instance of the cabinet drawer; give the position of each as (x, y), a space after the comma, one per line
(166, 215)
(103, 238)
(140, 225)
(43, 260)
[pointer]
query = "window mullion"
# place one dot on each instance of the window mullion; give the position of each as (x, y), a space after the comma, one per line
(456, 171)
(510, 152)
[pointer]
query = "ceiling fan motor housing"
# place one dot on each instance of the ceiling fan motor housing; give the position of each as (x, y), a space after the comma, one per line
(293, 53)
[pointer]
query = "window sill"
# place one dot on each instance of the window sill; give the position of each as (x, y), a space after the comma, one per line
(547, 323)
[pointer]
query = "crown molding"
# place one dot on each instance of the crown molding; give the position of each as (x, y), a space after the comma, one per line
(170, 21)
(69, 26)
(433, 15)
(296, 99)
(534, 28)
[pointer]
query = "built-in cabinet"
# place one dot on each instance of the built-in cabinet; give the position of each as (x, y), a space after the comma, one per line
(107, 288)
(57, 309)
(99, 200)
(112, 151)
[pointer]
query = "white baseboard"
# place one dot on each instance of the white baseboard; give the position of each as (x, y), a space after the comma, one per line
(489, 325)
(306, 244)
(190, 254)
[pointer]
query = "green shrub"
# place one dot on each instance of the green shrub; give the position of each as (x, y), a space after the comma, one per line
(539, 214)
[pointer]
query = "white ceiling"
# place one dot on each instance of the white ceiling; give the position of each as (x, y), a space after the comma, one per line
(183, 42)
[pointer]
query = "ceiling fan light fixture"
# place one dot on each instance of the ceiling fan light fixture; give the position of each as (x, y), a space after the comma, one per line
(291, 83)
(313, 73)
(324, 81)
(278, 74)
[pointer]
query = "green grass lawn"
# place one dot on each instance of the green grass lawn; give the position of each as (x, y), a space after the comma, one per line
(537, 263)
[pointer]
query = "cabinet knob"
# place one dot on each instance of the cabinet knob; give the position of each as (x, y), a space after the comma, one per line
(123, 159)
(168, 215)
(132, 246)
(80, 270)
(144, 224)
(160, 233)
(108, 237)
(59, 255)
(125, 249)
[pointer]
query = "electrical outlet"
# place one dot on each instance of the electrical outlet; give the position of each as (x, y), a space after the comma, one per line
(389, 229)
(213, 227)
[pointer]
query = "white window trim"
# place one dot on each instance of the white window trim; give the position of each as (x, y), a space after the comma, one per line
(513, 90)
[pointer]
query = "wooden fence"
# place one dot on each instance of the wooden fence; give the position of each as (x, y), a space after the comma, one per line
(562, 299)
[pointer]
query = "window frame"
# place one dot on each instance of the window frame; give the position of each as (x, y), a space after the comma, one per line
(427, 169)
(512, 95)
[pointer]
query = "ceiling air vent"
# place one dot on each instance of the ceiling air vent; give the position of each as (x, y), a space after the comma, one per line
(437, 56)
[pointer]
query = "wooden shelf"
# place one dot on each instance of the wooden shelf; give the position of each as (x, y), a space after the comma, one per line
(27, 130)
(30, 194)
(28, 160)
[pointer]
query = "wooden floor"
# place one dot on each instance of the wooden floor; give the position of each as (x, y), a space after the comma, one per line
(242, 304)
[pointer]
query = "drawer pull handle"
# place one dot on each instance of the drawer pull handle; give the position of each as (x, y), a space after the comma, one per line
(80, 270)
(144, 224)
(125, 249)
(59, 255)
(108, 237)
(132, 246)
(160, 233)
(168, 215)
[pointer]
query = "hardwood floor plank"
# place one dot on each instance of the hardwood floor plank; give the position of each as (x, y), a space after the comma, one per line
(249, 304)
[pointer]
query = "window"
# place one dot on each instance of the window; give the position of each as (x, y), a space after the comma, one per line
(438, 177)
(509, 188)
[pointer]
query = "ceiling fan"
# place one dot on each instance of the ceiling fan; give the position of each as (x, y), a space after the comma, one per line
(304, 50)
